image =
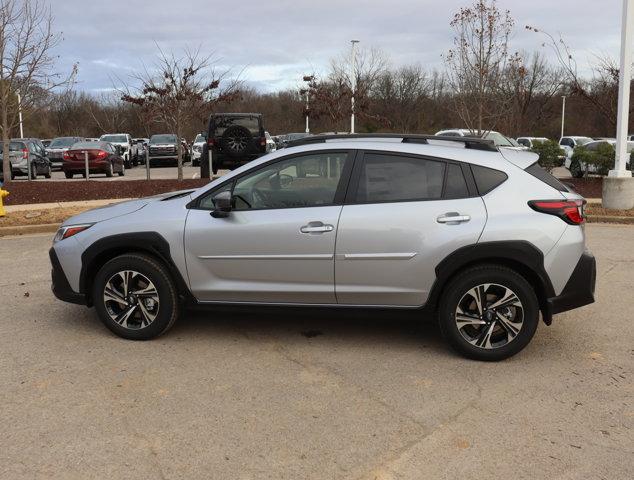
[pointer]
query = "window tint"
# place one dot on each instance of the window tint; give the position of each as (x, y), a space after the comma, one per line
(393, 178)
(208, 203)
(524, 141)
(305, 181)
(567, 142)
(456, 185)
(538, 172)
(487, 178)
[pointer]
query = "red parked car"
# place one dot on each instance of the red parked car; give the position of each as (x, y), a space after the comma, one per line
(103, 157)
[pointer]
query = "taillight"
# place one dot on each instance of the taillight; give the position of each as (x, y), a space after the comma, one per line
(210, 141)
(66, 155)
(25, 154)
(570, 211)
(101, 154)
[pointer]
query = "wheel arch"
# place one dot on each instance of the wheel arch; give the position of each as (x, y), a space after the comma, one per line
(520, 256)
(147, 243)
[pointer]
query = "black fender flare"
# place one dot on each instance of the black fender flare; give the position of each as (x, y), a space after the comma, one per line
(519, 255)
(106, 248)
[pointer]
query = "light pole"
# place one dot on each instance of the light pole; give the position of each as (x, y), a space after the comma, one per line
(618, 187)
(563, 114)
(20, 114)
(353, 81)
(307, 79)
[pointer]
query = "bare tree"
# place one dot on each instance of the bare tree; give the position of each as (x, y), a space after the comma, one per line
(26, 61)
(477, 63)
(331, 97)
(179, 90)
(600, 91)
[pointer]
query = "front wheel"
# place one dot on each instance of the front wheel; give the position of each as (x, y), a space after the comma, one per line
(121, 172)
(575, 169)
(49, 172)
(488, 312)
(135, 297)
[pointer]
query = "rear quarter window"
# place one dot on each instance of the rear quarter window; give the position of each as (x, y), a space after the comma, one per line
(487, 179)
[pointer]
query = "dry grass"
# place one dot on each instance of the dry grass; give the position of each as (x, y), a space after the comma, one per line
(39, 217)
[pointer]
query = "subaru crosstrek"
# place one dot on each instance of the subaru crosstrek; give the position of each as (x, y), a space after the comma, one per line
(479, 236)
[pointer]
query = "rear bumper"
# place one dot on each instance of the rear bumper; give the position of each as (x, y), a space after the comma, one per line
(579, 289)
(59, 283)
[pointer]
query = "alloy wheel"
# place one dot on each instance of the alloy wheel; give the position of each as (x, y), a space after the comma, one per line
(131, 299)
(489, 316)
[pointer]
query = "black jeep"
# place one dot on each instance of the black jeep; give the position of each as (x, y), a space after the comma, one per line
(234, 139)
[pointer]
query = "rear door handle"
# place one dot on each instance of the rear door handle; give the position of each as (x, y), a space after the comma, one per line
(316, 227)
(453, 218)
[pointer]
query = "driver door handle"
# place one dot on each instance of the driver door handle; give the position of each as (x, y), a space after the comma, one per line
(316, 227)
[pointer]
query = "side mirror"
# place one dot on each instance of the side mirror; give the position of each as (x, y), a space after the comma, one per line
(222, 202)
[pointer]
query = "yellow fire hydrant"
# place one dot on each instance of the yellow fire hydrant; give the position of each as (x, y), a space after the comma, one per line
(3, 193)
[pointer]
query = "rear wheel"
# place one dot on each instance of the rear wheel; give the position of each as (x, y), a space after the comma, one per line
(49, 171)
(121, 173)
(109, 170)
(34, 171)
(488, 312)
(135, 297)
(68, 174)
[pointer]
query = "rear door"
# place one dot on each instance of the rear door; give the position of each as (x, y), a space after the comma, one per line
(403, 214)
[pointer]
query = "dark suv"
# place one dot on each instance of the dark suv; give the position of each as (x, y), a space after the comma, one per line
(235, 139)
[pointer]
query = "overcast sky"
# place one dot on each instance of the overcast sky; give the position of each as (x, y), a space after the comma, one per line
(273, 43)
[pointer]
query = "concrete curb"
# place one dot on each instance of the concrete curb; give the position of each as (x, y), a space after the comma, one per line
(46, 206)
(29, 229)
(610, 219)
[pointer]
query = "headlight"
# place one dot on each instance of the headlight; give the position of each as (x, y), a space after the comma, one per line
(70, 230)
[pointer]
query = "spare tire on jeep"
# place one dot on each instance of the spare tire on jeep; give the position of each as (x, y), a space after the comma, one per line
(236, 141)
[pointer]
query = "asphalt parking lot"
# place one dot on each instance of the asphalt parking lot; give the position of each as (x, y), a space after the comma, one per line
(308, 394)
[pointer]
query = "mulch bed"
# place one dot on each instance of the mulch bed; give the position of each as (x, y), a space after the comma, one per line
(591, 187)
(77, 190)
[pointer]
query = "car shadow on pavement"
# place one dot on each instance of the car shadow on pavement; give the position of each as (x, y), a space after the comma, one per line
(407, 329)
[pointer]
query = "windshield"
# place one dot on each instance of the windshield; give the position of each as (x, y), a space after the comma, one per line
(62, 142)
(13, 147)
(163, 139)
(86, 145)
(114, 138)
(499, 140)
(250, 123)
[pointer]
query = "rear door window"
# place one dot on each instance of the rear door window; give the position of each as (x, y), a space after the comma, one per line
(397, 178)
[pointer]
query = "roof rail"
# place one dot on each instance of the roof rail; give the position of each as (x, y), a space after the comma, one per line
(474, 143)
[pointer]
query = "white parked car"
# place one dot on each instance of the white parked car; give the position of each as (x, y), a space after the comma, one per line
(271, 146)
(579, 168)
(125, 143)
(569, 143)
(197, 148)
(529, 142)
(498, 139)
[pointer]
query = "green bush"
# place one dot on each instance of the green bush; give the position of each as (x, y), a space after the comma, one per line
(603, 158)
(581, 158)
(550, 154)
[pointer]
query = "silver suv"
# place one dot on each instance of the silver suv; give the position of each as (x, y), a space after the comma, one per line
(481, 238)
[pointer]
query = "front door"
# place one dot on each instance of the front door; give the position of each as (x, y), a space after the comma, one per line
(277, 244)
(404, 214)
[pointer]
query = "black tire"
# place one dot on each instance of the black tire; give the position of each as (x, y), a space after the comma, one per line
(575, 169)
(152, 269)
(49, 172)
(121, 173)
(499, 277)
(33, 171)
(236, 141)
(109, 170)
(68, 174)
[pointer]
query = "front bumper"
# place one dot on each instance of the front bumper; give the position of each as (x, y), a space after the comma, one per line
(579, 289)
(60, 286)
